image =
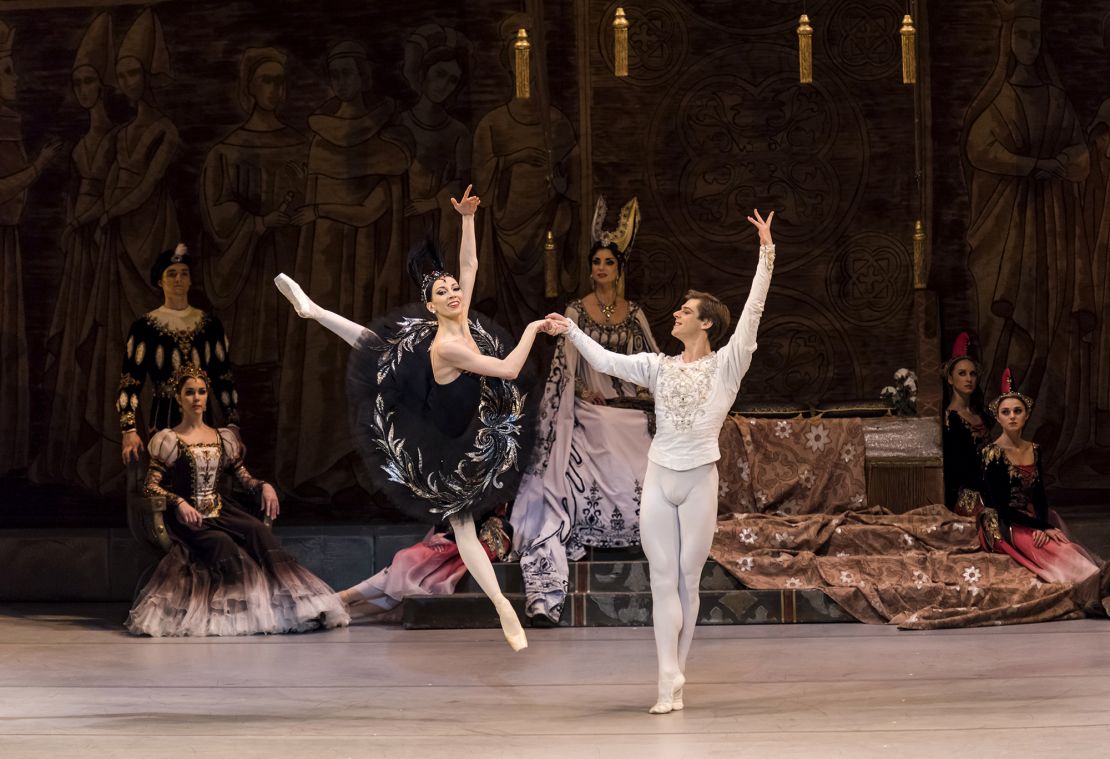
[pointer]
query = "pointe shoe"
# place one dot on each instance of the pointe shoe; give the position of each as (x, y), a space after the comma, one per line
(510, 625)
(670, 699)
(304, 307)
(676, 700)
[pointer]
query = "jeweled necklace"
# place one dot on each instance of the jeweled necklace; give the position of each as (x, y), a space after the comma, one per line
(607, 310)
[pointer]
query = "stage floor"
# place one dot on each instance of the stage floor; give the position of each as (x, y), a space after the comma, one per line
(73, 684)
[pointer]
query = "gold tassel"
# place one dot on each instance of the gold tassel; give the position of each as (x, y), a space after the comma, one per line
(920, 271)
(550, 267)
(909, 51)
(805, 50)
(523, 72)
(620, 43)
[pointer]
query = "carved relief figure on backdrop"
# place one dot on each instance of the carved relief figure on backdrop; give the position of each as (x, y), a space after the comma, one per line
(349, 260)
(511, 166)
(138, 223)
(437, 60)
(1029, 254)
(1097, 212)
(92, 74)
(16, 175)
(251, 184)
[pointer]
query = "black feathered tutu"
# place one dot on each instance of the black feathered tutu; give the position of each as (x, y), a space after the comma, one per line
(437, 450)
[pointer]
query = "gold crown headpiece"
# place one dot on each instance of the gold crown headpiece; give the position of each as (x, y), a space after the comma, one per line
(187, 372)
(627, 225)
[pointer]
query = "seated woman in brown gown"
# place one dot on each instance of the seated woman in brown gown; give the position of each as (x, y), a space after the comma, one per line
(226, 573)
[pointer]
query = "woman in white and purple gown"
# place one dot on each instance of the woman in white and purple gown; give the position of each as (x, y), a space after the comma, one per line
(583, 484)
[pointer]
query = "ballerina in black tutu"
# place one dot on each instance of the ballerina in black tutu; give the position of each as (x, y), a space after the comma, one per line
(434, 407)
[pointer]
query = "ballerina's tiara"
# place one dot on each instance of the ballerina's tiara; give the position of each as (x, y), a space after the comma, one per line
(429, 279)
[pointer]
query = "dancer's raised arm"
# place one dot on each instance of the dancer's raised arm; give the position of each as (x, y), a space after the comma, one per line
(468, 247)
(737, 353)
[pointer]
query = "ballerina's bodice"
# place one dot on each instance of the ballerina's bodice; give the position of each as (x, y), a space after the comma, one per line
(451, 407)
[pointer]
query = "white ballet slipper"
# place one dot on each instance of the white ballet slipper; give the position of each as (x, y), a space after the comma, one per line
(510, 624)
(304, 306)
(670, 697)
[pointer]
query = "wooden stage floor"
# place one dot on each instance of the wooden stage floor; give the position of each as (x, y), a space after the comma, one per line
(73, 684)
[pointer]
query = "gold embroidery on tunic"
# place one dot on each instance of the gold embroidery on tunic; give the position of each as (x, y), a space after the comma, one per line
(992, 531)
(183, 337)
(968, 503)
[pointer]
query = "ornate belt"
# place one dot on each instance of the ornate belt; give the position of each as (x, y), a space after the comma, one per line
(209, 505)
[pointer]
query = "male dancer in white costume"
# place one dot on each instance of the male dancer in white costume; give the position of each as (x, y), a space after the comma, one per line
(693, 394)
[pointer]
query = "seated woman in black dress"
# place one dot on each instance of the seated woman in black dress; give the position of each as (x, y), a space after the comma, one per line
(226, 573)
(967, 427)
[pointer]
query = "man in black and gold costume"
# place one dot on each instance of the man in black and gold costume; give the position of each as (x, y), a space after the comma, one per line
(162, 341)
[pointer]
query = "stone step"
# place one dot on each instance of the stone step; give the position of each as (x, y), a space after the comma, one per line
(629, 609)
(602, 577)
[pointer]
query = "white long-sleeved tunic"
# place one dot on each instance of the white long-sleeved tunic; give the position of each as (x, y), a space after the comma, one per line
(691, 399)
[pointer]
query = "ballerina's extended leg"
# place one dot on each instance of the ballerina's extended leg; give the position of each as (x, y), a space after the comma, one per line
(478, 564)
(348, 330)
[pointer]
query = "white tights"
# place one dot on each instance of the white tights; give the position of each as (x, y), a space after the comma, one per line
(678, 517)
(477, 562)
(349, 331)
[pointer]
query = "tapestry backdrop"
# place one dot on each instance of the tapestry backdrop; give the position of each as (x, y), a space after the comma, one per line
(326, 142)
